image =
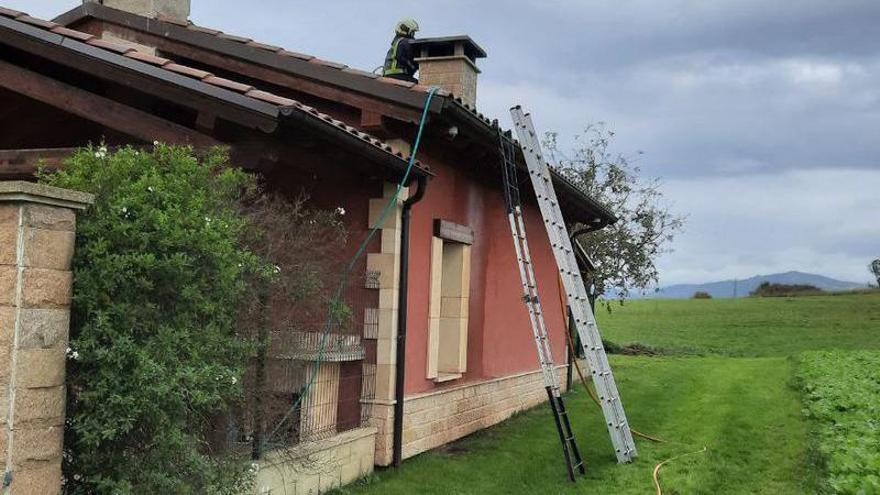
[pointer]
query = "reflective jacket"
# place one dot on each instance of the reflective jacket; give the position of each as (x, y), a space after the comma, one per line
(400, 59)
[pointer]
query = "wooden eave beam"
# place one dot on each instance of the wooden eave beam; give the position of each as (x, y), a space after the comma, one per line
(23, 163)
(146, 78)
(99, 109)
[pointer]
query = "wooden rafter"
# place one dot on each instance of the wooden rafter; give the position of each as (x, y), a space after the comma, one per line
(99, 109)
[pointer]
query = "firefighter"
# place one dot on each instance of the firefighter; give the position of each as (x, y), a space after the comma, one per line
(400, 61)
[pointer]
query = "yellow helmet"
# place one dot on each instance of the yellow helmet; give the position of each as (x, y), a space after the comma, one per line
(407, 27)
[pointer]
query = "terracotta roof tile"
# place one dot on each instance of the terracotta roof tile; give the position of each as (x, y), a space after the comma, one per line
(360, 73)
(35, 22)
(113, 47)
(231, 37)
(327, 63)
(288, 53)
(147, 58)
(396, 82)
(187, 71)
(220, 82)
(263, 46)
(212, 32)
(10, 13)
(270, 98)
(227, 84)
(70, 33)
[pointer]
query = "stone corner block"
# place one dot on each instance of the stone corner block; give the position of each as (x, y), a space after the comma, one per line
(47, 288)
(43, 328)
(39, 478)
(51, 249)
(39, 407)
(35, 445)
(8, 282)
(48, 217)
(8, 243)
(36, 368)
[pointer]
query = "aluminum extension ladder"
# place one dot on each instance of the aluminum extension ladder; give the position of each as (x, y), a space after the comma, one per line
(570, 450)
(579, 303)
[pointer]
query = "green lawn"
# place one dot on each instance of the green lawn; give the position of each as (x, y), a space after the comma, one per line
(737, 399)
(748, 327)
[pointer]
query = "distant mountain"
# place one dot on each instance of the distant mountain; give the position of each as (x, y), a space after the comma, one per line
(726, 288)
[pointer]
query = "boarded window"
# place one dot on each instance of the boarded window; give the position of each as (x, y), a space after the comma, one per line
(450, 284)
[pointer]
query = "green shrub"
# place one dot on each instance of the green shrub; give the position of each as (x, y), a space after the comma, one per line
(159, 273)
(767, 289)
(702, 295)
(842, 395)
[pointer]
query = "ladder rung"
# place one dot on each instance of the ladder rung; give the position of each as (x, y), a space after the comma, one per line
(540, 175)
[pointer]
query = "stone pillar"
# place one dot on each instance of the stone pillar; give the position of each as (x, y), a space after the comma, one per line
(387, 264)
(37, 225)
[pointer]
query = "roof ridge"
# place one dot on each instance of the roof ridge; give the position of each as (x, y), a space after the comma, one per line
(98, 11)
(281, 51)
(196, 74)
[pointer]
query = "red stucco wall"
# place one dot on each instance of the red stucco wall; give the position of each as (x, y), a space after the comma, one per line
(500, 340)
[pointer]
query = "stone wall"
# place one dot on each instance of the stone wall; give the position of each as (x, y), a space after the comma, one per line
(437, 418)
(317, 467)
(37, 225)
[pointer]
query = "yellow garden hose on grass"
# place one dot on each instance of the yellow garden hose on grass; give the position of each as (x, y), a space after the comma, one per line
(656, 474)
(571, 344)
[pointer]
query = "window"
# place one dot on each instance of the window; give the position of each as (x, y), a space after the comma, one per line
(450, 286)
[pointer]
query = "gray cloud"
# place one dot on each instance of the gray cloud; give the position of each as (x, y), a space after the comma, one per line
(762, 116)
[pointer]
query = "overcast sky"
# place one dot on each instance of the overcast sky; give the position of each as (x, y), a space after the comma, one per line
(762, 117)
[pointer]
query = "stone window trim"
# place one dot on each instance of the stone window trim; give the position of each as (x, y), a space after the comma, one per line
(448, 304)
(453, 232)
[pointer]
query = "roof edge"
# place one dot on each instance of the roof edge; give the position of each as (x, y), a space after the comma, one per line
(308, 67)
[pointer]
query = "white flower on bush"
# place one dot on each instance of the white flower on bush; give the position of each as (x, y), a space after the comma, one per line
(234, 380)
(72, 354)
(277, 269)
(149, 188)
(155, 143)
(100, 154)
(340, 211)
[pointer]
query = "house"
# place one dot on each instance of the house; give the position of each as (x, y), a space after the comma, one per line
(440, 279)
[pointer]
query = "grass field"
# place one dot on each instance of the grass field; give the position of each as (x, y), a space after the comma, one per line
(729, 386)
(750, 326)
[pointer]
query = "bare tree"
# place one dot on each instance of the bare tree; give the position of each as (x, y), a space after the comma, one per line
(624, 254)
(874, 267)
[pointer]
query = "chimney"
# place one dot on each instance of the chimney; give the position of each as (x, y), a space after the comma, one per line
(451, 63)
(176, 9)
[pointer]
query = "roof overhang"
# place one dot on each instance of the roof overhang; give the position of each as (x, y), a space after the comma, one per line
(576, 205)
(34, 36)
(233, 46)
